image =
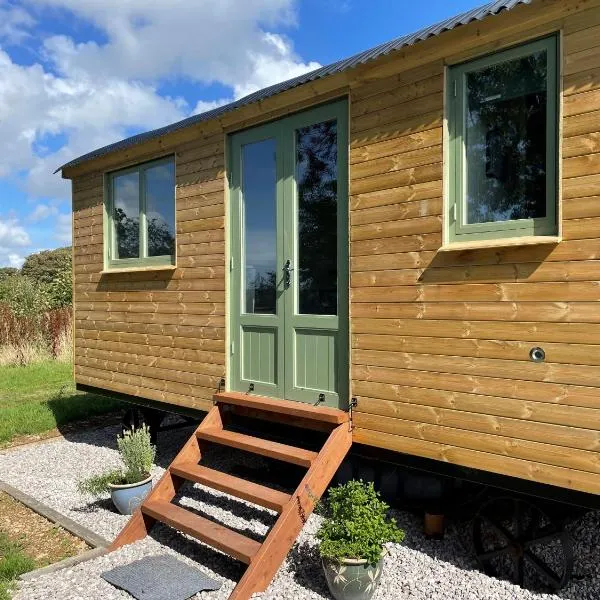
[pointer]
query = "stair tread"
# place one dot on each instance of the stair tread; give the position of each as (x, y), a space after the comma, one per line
(326, 414)
(290, 454)
(230, 484)
(218, 536)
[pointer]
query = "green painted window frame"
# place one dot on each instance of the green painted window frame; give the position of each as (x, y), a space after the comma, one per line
(109, 230)
(457, 229)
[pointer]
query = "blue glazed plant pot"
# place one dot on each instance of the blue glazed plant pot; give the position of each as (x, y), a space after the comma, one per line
(129, 496)
(352, 579)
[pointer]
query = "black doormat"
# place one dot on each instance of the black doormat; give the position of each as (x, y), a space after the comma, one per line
(161, 577)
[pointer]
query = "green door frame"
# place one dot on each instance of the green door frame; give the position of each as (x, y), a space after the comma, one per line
(287, 322)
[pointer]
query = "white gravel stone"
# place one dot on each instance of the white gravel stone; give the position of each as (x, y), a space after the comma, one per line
(419, 569)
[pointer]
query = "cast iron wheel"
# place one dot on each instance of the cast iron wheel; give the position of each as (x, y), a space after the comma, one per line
(516, 540)
(136, 417)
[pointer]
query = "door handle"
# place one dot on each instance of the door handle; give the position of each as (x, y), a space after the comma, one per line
(287, 273)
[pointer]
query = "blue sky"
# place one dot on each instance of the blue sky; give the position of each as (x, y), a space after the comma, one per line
(79, 74)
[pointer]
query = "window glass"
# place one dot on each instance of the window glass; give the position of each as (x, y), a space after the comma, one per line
(142, 210)
(126, 215)
(505, 140)
(316, 179)
(503, 123)
(160, 212)
(259, 193)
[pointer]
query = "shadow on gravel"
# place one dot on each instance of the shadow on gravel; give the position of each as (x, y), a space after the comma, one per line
(221, 564)
(235, 507)
(305, 565)
(100, 504)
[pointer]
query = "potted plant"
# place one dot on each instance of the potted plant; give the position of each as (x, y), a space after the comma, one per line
(129, 486)
(352, 539)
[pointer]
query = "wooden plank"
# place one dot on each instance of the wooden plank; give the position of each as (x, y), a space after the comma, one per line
(324, 414)
(473, 422)
(541, 312)
(389, 400)
(240, 488)
(283, 452)
(524, 469)
(548, 454)
(222, 538)
(568, 395)
(569, 354)
(532, 331)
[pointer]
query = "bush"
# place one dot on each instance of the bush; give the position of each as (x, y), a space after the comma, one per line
(25, 296)
(27, 338)
(356, 523)
(47, 265)
(137, 454)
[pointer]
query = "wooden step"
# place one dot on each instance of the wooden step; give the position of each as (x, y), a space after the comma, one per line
(240, 488)
(218, 536)
(301, 410)
(290, 454)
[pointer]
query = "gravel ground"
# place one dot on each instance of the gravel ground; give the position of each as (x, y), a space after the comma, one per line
(419, 569)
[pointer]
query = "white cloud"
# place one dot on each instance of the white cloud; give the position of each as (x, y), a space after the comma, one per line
(88, 93)
(41, 212)
(14, 23)
(12, 234)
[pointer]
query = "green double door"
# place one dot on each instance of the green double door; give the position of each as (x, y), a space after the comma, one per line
(289, 258)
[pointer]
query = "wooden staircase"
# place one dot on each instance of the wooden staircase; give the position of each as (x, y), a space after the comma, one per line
(263, 559)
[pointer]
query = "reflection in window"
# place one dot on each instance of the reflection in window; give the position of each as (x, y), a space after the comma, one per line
(316, 179)
(259, 191)
(160, 216)
(143, 213)
(505, 140)
(126, 215)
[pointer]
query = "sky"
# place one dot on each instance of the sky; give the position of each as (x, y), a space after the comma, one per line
(76, 75)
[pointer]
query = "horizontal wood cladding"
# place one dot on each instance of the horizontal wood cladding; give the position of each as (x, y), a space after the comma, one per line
(440, 341)
(158, 335)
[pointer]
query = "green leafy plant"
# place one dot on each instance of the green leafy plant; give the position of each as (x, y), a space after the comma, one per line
(137, 454)
(356, 523)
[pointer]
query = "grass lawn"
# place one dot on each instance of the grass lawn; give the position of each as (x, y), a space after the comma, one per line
(13, 563)
(28, 541)
(40, 397)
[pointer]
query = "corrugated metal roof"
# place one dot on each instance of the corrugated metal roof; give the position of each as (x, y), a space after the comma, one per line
(476, 14)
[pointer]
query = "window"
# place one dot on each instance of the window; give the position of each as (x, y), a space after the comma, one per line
(502, 122)
(141, 215)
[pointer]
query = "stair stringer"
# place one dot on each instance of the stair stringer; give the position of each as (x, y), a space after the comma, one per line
(140, 524)
(288, 526)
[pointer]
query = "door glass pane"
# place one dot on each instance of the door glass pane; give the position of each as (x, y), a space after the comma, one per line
(126, 215)
(505, 140)
(160, 209)
(316, 180)
(259, 189)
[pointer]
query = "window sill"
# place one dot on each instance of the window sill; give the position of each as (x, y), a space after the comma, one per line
(138, 269)
(534, 240)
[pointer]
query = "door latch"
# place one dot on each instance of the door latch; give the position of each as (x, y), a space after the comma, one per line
(287, 273)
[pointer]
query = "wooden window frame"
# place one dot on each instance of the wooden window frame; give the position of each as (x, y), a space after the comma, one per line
(143, 261)
(457, 230)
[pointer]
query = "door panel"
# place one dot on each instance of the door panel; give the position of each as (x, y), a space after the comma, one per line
(289, 247)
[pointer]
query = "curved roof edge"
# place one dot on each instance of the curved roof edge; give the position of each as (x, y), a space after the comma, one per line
(476, 14)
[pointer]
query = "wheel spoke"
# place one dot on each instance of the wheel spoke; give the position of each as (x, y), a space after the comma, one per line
(494, 553)
(501, 530)
(543, 536)
(544, 570)
(519, 570)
